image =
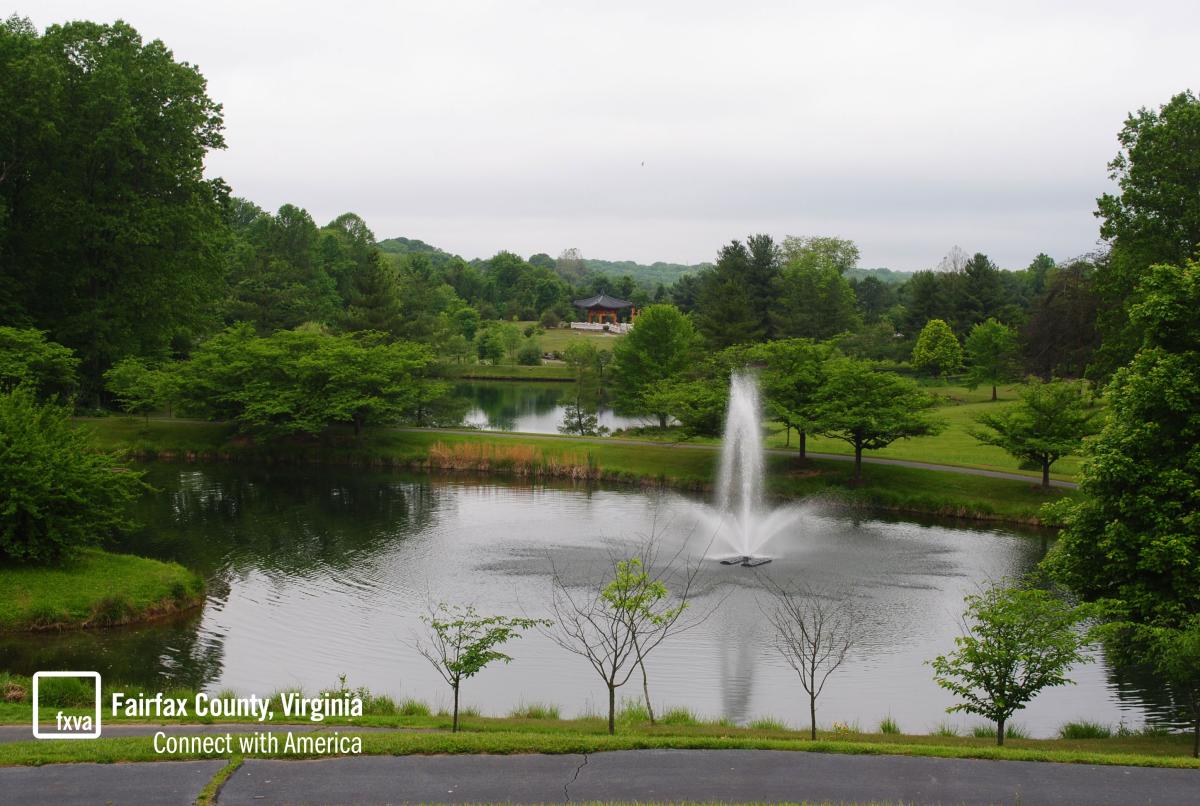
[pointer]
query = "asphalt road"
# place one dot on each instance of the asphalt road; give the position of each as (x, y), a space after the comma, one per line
(165, 782)
(635, 775)
(870, 460)
(700, 775)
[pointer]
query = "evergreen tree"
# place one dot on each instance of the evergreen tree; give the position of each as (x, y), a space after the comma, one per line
(725, 310)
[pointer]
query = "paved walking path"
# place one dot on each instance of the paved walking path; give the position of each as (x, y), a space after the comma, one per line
(871, 460)
(641, 775)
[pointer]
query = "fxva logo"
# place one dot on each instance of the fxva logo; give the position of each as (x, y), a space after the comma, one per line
(68, 726)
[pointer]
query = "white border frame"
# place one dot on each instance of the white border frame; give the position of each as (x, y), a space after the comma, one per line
(37, 734)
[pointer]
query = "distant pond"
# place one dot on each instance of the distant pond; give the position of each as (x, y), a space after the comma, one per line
(536, 408)
(317, 572)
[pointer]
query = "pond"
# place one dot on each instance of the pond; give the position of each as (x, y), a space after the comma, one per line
(535, 408)
(316, 573)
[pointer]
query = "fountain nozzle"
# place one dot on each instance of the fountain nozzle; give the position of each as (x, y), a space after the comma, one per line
(746, 561)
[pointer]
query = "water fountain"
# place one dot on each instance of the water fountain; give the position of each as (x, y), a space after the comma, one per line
(739, 517)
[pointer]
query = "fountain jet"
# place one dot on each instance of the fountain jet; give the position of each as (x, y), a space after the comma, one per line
(739, 516)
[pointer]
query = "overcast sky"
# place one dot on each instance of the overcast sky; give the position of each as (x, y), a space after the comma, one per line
(658, 131)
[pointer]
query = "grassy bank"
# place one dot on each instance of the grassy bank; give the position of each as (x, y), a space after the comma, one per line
(891, 488)
(412, 727)
(511, 372)
(95, 589)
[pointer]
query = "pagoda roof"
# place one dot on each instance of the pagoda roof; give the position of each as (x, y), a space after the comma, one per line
(603, 300)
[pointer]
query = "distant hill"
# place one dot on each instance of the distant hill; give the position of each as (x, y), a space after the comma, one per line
(887, 276)
(652, 275)
(646, 275)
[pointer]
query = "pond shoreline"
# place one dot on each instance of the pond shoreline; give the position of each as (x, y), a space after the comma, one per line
(95, 590)
(886, 489)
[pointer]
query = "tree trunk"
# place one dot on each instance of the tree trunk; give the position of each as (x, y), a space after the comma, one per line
(1045, 475)
(857, 464)
(812, 715)
(646, 690)
(787, 431)
(803, 442)
(993, 393)
(662, 421)
(357, 427)
(1196, 737)
(1000, 733)
(454, 720)
(612, 709)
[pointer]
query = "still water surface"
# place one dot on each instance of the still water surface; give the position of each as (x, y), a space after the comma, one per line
(535, 408)
(320, 572)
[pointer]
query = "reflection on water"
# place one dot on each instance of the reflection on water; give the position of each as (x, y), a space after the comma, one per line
(320, 572)
(536, 408)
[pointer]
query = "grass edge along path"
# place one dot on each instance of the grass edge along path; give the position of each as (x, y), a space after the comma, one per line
(96, 588)
(141, 749)
(212, 790)
(885, 487)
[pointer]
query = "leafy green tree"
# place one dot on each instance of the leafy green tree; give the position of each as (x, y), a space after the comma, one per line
(111, 235)
(463, 643)
(26, 357)
(814, 301)
(937, 350)
(489, 346)
(58, 492)
(1176, 656)
(1017, 641)
(141, 387)
(790, 379)
(1133, 539)
(867, 409)
(698, 404)
(991, 352)
(1154, 218)
(510, 337)
(304, 381)
(661, 345)
(530, 354)
(1049, 422)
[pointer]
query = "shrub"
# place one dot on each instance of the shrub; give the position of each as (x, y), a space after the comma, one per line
(57, 492)
(946, 729)
(111, 610)
(767, 723)
(379, 705)
(679, 716)
(411, 707)
(530, 355)
(1084, 730)
(549, 320)
(66, 692)
(535, 710)
(888, 725)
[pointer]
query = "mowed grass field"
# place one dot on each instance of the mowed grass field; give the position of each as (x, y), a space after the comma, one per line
(955, 445)
(555, 340)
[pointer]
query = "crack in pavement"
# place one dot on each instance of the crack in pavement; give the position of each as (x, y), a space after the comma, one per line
(574, 778)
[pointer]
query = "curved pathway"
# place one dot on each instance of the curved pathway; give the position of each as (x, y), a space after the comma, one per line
(872, 460)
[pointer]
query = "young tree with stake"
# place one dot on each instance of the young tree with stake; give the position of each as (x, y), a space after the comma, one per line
(1016, 641)
(616, 624)
(462, 642)
(814, 633)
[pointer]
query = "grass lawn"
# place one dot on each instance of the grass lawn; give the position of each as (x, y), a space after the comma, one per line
(556, 339)
(953, 446)
(95, 589)
(679, 466)
(430, 735)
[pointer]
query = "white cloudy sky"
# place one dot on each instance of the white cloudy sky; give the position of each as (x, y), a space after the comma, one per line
(525, 125)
